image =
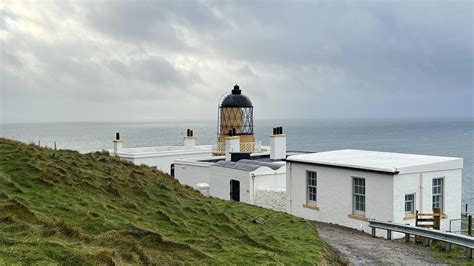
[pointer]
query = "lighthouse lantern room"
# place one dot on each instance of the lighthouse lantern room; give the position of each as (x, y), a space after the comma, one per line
(235, 119)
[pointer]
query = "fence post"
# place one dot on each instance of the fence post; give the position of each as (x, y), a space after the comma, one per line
(436, 218)
(469, 225)
(373, 231)
(416, 218)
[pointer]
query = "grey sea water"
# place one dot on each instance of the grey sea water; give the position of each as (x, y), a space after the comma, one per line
(444, 138)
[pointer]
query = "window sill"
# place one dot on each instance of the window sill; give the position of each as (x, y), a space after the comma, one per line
(310, 206)
(409, 216)
(358, 217)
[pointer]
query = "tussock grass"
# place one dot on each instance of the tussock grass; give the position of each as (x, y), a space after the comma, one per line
(457, 255)
(67, 208)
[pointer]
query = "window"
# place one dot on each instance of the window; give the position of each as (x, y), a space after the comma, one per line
(438, 194)
(410, 203)
(359, 196)
(311, 184)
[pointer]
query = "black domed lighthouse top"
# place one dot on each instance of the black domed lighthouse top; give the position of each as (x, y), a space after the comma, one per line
(236, 99)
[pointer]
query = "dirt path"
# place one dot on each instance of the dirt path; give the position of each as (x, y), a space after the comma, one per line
(360, 248)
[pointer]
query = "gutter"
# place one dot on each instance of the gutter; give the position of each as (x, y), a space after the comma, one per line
(376, 170)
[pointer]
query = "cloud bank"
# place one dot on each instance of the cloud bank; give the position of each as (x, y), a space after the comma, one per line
(167, 60)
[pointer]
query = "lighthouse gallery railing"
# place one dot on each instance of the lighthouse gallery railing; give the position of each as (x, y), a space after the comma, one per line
(256, 146)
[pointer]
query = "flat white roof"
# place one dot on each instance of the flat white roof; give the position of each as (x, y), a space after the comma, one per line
(380, 161)
(162, 151)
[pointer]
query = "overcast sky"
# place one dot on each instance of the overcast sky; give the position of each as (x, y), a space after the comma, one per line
(165, 60)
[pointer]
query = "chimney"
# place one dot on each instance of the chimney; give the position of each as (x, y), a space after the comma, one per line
(189, 140)
(278, 144)
(232, 144)
(118, 144)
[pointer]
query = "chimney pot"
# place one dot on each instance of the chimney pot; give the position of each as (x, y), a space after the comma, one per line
(118, 143)
(278, 144)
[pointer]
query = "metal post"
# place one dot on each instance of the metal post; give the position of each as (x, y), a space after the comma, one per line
(389, 234)
(466, 209)
(407, 237)
(469, 253)
(447, 247)
(469, 225)
(373, 231)
(426, 242)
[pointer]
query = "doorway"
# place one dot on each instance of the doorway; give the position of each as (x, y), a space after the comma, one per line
(235, 190)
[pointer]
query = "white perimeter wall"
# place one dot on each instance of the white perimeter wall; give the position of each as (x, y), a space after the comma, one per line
(270, 181)
(421, 184)
(334, 198)
(219, 180)
(191, 173)
(163, 161)
(274, 199)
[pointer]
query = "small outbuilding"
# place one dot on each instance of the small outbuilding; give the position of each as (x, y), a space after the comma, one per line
(251, 181)
(349, 187)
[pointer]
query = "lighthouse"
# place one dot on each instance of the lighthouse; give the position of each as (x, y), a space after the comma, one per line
(235, 120)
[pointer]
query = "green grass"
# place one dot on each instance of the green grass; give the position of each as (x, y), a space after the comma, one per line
(61, 207)
(457, 255)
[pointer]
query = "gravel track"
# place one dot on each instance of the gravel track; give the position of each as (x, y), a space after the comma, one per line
(361, 249)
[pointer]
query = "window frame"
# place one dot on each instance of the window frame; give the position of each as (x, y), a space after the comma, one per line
(439, 194)
(308, 186)
(413, 204)
(356, 195)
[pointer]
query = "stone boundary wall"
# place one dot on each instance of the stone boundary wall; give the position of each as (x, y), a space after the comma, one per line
(274, 199)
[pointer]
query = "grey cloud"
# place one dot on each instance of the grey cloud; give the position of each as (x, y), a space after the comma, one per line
(151, 21)
(318, 59)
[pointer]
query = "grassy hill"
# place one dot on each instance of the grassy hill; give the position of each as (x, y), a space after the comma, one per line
(64, 207)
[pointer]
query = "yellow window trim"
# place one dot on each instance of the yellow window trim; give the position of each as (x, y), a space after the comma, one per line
(311, 206)
(358, 217)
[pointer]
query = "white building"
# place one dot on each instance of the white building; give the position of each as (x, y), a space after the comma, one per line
(256, 182)
(162, 157)
(194, 171)
(345, 187)
(348, 187)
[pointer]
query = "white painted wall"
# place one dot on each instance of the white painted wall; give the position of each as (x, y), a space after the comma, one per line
(274, 199)
(163, 161)
(274, 180)
(335, 194)
(421, 184)
(191, 173)
(219, 181)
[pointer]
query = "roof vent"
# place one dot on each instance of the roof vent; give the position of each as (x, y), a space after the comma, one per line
(236, 90)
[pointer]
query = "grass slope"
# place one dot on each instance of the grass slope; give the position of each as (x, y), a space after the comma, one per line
(64, 207)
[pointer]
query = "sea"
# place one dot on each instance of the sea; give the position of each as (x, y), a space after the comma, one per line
(430, 137)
